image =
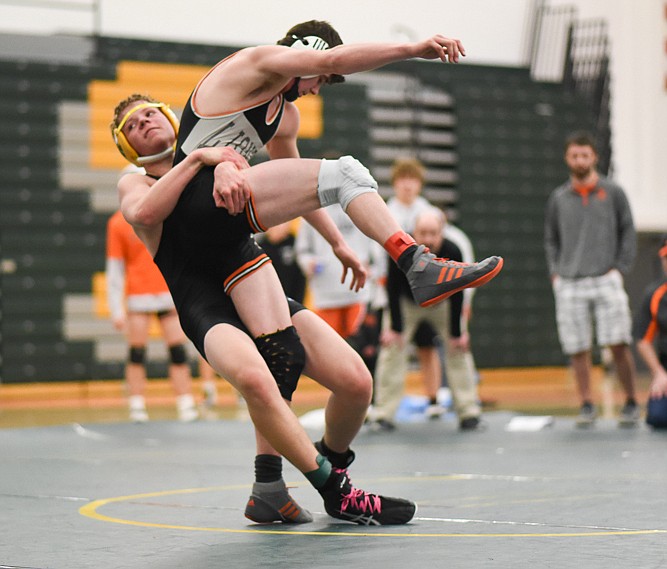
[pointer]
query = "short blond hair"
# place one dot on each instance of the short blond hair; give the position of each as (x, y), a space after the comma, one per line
(407, 168)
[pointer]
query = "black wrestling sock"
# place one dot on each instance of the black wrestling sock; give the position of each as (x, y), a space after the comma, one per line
(337, 459)
(405, 260)
(268, 468)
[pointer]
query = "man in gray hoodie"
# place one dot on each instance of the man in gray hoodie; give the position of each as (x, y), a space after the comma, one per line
(590, 243)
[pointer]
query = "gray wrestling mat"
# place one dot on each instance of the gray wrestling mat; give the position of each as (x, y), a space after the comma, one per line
(168, 495)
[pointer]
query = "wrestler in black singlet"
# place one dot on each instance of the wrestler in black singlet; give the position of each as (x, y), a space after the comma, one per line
(204, 250)
(650, 322)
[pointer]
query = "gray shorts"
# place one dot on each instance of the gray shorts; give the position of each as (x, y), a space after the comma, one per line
(582, 301)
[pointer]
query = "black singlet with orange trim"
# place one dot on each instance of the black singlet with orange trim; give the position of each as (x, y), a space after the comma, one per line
(202, 245)
(651, 319)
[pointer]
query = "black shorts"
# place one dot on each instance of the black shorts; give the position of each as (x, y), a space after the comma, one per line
(203, 253)
(210, 307)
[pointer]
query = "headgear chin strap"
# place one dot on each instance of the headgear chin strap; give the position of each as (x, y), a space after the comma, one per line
(292, 94)
(128, 151)
(309, 42)
(141, 160)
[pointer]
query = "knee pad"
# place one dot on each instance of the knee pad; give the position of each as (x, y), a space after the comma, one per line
(425, 335)
(177, 354)
(136, 355)
(283, 352)
(342, 180)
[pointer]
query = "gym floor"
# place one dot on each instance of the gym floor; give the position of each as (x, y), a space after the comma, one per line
(168, 495)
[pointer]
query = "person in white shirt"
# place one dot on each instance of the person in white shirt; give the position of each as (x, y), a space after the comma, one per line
(334, 301)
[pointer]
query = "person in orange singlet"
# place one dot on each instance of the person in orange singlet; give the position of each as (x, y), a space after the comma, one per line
(136, 291)
(650, 333)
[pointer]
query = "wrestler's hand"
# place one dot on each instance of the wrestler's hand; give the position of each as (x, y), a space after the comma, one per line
(212, 156)
(659, 384)
(351, 262)
(440, 47)
(230, 188)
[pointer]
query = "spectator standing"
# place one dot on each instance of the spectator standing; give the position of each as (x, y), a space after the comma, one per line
(590, 243)
(404, 317)
(333, 301)
(134, 280)
(407, 181)
(407, 203)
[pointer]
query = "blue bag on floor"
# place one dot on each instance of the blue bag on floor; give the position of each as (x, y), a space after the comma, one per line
(656, 412)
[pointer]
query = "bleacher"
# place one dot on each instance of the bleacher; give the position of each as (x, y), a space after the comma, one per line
(50, 236)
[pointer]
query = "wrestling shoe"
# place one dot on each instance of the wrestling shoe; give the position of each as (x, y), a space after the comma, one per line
(381, 426)
(137, 405)
(138, 415)
(433, 279)
(210, 394)
(186, 408)
(472, 424)
(587, 416)
(270, 502)
(629, 416)
(434, 411)
(345, 502)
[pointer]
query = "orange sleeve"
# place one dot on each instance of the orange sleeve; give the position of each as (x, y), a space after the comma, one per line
(142, 275)
(652, 330)
(114, 236)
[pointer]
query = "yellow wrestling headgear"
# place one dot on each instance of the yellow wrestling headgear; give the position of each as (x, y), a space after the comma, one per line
(127, 150)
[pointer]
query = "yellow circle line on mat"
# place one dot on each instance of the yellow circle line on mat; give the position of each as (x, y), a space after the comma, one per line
(90, 510)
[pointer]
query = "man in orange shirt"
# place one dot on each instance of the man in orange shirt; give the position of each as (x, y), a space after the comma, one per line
(136, 290)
